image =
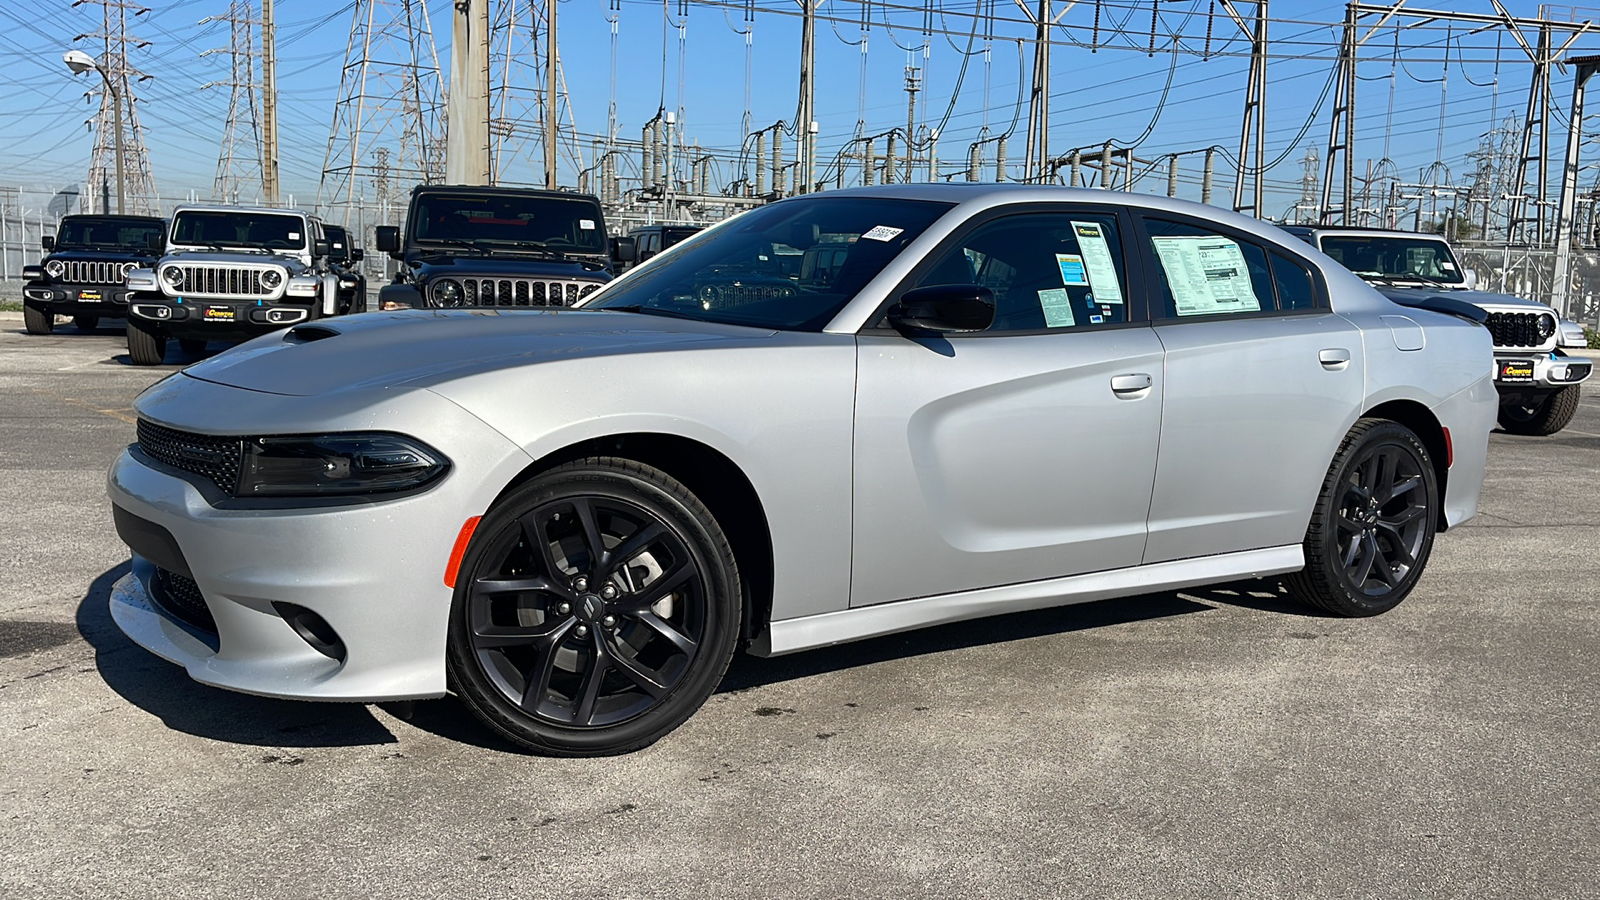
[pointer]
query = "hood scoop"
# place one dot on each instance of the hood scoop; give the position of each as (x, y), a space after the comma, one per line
(305, 334)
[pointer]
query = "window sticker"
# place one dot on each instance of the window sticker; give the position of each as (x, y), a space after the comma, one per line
(294, 235)
(1073, 273)
(1098, 263)
(1057, 308)
(586, 224)
(1207, 275)
(882, 233)
(1447, 265)
(1095, 320)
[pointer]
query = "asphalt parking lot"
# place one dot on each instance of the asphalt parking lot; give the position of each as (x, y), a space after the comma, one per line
(1211, 743)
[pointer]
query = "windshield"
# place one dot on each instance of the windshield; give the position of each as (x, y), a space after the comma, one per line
(123, 234)
(1394, 258)
(249, 230)
(566, 225)
(791, 265)
(338, 243)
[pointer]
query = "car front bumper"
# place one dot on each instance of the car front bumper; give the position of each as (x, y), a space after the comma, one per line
(1539, 370)
(374, 572)
(78, 300)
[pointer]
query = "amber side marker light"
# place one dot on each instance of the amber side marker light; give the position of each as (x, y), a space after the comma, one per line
(459, 550)
(1449, 449)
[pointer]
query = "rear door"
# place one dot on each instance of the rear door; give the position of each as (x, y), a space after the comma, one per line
(1263, 380)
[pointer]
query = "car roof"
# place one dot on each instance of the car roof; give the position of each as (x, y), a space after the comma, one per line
(114, 216)
(1360, 230)
(498, 189)
(242, 209)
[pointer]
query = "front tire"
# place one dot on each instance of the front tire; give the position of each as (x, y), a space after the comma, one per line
(38, 321)
(1372, 528)
(146, 346)
(86, 323)
(1548, 415)
(596, 608)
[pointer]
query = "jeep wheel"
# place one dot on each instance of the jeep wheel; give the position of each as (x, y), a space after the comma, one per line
(1546, 415)
(1372, 528)
(86, 323)
(146, 345)
(38, 321)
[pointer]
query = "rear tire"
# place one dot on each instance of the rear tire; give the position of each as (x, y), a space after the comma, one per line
(596, 608)
(1372, 528)
(86, 322)
(38, 321)
(146, 346)
(1548, 416)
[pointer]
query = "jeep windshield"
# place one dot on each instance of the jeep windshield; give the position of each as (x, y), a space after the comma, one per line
(1389, 258)
(501, 222)
(227, 229)
(109, 234)
(790, 266)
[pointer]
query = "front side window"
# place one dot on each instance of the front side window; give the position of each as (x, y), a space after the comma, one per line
(1208, 274)
(1394, 258)
(1047, 271)
(492, 221)
(226, 228)
(791, 265)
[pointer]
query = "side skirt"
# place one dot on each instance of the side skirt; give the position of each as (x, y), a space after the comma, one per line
(808, 632)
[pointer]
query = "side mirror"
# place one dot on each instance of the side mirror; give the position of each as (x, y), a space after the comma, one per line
(319, 248)
(48, 242)
(357, 254)
(1470, 278)
(624, 250)
(156, 242)
(388, 239)
(944, 308)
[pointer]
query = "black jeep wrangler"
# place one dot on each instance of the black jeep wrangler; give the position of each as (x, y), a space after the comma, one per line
(472, 246)
(82, 276)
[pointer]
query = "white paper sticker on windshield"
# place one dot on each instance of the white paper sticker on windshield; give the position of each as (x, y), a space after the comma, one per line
(1057, 308)
(1098, 263)
(586, 224)
(294, 235)
(1072, 271)
(882, 233)
(1447, 265)
(1207, 275)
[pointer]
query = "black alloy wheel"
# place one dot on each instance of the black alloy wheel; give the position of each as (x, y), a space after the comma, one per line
(596, 609)
(1373, 526)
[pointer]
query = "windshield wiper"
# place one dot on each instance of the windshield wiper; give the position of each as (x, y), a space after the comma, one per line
(651, 311)
(475, 243)
(541, 246)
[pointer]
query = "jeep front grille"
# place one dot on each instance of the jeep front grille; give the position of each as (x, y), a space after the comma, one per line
(215, 458)
(84, 271)
(1521, 329)
(224, 282)
(521, 291)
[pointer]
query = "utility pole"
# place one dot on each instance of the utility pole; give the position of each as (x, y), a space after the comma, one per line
(467, 111)
(913, 84)
(1586, 67)
(1037, 149)
(1252, 134)
(806, 173)
(1342, 125)
(551, 63)
(269, 105)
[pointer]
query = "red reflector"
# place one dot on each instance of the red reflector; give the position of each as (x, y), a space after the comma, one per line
(459, 550)
(1449, 450)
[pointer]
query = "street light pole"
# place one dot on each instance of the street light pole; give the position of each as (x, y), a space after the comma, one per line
(116, 101)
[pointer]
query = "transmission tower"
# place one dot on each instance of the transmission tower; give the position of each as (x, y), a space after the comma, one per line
(239, 156)
(390, 98)
(138, 184)
(519, 92)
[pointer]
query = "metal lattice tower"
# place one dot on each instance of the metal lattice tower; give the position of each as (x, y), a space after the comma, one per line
(391, 98)
(239, 157)
(519, 91)
(139, 185)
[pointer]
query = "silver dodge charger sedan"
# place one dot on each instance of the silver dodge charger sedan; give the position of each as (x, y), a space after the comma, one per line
(833, 417)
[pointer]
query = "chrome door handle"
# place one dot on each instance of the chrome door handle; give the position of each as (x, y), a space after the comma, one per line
(1131, 384)
(1335, 358)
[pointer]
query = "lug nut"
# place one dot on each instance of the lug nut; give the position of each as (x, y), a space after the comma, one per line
(581, 631)
(564, 608)
(609, 592)
(609, 621)
(580, 583)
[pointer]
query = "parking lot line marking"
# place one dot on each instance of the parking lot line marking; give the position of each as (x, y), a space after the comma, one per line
(120, 413)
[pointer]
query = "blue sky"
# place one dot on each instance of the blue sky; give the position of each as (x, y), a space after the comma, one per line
(1107, 95)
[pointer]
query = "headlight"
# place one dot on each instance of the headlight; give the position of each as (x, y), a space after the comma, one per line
(271, 278)
(337, 465)
(447, 292)
(173, 276)
(1547, 327)
(55, 268)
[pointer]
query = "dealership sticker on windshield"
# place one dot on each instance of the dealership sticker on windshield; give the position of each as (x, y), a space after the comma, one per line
(882, 233)
(586, 224)
(294, 235)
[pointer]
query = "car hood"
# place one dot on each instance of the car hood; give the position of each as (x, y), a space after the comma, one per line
(1476, 298)
(421, 348)
(510, 267)
(102, 255)
(228, 257)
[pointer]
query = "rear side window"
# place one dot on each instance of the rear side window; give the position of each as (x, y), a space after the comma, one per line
(1293, 283)
(1205, 273)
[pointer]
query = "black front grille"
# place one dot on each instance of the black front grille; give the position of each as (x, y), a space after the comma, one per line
(524, 292)
(1521, 329)
(181, 597)
(212, 457)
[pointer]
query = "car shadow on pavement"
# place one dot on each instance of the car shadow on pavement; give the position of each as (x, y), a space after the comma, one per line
(165, 691)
